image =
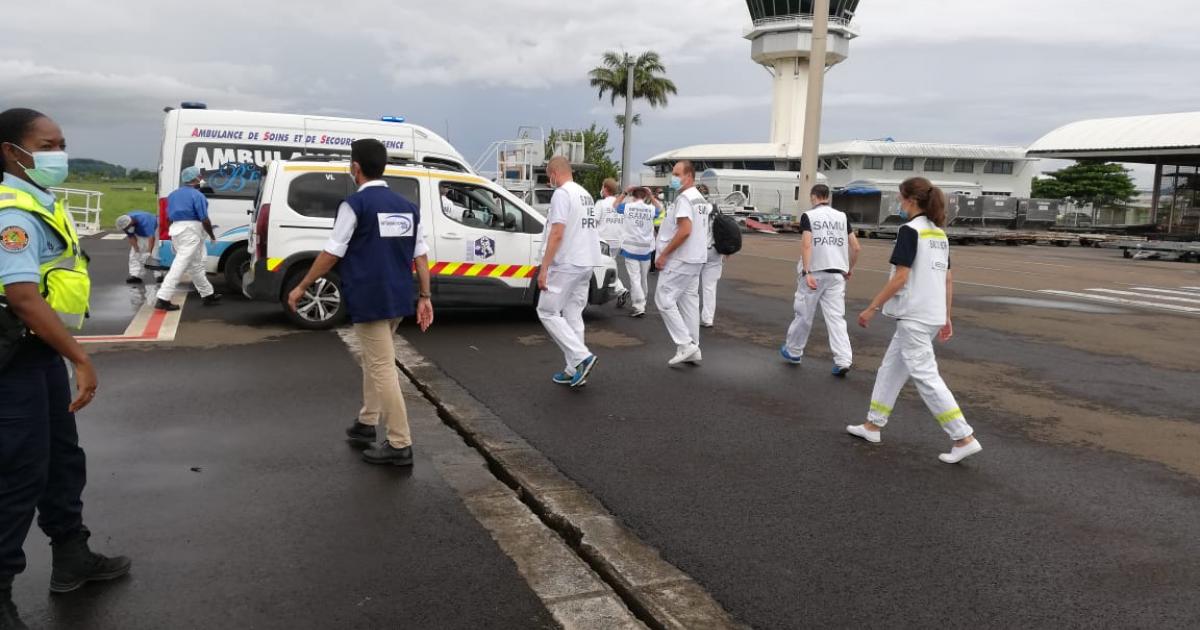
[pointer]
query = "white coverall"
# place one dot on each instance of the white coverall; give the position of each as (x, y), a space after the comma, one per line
(188, 239)
(830, 296)
(710, 274)
(138, 256)
(910, 355)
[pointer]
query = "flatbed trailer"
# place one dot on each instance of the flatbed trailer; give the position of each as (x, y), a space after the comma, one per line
(1183, 251)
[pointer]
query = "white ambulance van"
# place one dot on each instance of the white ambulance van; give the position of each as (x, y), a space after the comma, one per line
(232, 149)
(485, 243)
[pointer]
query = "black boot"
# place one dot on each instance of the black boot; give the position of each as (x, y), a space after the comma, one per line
(387, 454)
(163, 305)
(212, 299)
(360, 434)
(9, 618)
(74, 564)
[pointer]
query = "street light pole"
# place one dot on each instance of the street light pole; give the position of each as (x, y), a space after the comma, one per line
(816, 89)
(626, 146)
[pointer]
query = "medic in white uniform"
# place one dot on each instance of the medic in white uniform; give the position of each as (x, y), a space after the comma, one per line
(637, 243)
(710, 275)
(919, 296)
(572, 249)
(611, 226)
(682, 250)
(828, 252)
(187, 210)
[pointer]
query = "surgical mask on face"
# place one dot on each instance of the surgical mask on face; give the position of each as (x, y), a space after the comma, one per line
(903, 214)
(50, 168)
(676, 183)
(202, 184)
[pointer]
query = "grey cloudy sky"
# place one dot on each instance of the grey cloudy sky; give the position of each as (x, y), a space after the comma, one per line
(970, 71)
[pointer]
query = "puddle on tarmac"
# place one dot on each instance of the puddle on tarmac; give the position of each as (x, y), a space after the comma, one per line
(612, 339)
(532, 340)
(1078, 307)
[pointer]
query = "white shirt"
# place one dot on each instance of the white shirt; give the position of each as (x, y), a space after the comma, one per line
(691, 205)
(923, 297)
(637, 235)
(572, 206)
(610, 221)
(346, 221)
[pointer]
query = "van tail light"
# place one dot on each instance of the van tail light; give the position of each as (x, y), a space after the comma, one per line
(164, 233)
(262, 222)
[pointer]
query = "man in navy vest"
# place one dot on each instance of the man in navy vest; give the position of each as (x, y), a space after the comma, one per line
(376, 238)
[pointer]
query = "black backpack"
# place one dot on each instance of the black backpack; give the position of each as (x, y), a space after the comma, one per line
(727, 234)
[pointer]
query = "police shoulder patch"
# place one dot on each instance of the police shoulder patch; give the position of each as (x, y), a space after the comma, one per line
(14, 239)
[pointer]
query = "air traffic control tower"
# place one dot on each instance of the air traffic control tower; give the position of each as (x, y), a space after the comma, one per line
(781, 39)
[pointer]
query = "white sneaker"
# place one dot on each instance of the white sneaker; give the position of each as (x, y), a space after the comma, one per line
(684, 353)
(696, 358)
(959, 453)
(860, 430)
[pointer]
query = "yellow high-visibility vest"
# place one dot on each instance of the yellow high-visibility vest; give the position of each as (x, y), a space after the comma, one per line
(64, 281)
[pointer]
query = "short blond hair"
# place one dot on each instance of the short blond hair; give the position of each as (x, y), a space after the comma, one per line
(610, 185)
(559, 163)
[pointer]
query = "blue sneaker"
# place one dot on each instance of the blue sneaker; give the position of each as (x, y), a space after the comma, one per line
(840, 371)
(562, 378)
(582, 370)
(787, 357)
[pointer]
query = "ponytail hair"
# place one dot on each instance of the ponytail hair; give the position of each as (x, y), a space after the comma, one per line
(929, 198)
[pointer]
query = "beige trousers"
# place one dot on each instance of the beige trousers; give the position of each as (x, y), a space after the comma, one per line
(382, 398)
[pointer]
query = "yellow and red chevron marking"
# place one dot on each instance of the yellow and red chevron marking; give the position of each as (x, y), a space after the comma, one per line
(481, 270)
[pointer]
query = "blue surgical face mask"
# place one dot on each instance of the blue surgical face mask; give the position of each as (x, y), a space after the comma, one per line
(903, 214)
(676, 183)
(50, 168)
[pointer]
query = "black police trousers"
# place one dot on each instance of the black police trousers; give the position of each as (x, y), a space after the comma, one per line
(42, 467)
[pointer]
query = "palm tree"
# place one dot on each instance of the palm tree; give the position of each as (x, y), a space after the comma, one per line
(620, 120)
(612, 77)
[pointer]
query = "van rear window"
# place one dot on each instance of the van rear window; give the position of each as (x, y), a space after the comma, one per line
(320, 194)
(235, 171)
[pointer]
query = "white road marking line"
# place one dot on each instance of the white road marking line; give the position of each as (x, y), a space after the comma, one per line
(1191, 288)
(113, 237)
(1171, 298)
(888, 271)
(1170, 291)
(1116, 300)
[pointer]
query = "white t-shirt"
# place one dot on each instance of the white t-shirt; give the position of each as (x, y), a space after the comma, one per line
(610, 221)
(637, 235)
(573, 207)
(690, 204)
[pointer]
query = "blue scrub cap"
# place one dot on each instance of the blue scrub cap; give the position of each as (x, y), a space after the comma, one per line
(189, 174)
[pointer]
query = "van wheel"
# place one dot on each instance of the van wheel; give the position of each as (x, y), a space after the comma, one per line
(236, 266)
(322, 307)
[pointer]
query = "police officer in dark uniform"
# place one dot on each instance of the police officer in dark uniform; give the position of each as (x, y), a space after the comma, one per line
(44, 289)
(377, 240)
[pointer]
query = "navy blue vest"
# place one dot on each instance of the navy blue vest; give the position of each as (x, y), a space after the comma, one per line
(377, 270)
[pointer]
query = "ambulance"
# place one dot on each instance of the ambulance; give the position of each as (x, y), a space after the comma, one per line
(233, 148)
(485, 243)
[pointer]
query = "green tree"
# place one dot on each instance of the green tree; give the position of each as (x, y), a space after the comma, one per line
(597, 156)
(611, 77)
(1089, 181)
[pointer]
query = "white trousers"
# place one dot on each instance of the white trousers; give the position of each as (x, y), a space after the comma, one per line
(137, 257)
(188, 239)
(910, 355)
(710, 274)
(830, 296)
(678, 301)
(639, 281)
(560, 307)
(614, 247)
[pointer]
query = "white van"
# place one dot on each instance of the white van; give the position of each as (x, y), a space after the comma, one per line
(766, 192)
(484, 242)
(232, 149)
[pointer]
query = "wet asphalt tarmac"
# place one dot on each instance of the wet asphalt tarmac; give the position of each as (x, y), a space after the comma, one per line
(218, 464)
(1080, 511)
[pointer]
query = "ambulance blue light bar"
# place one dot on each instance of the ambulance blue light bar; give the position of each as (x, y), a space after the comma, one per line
(392, 119)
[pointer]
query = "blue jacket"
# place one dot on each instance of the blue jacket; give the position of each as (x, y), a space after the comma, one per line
(377, 270)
